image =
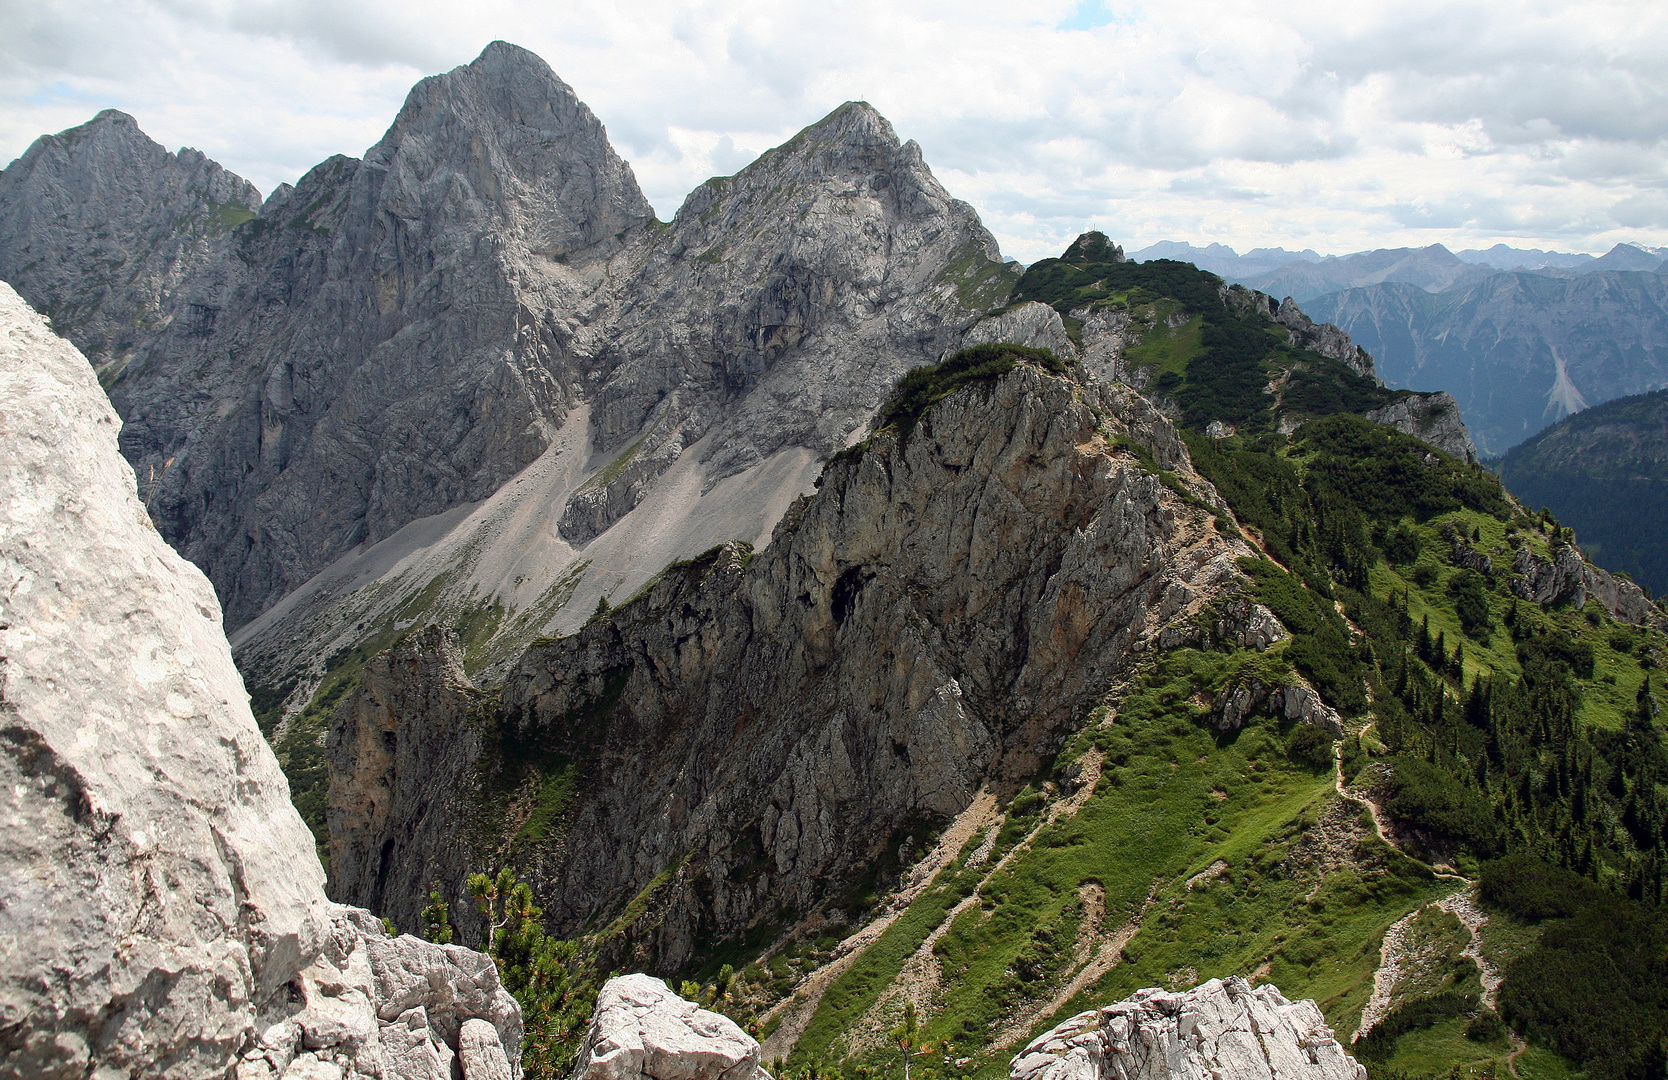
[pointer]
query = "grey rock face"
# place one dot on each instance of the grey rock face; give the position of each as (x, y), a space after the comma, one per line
(1219, 1030)
(161, 906)
(1036, 325)
(380, 343)
(405, 729)
(936, 615)
(100, 228)
(397, 336)
(1568, 576)
(780, 308)
(642, 1029)
(1434, 418)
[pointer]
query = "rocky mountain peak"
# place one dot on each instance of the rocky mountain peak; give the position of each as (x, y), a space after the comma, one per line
(520, 140)
(106, 195)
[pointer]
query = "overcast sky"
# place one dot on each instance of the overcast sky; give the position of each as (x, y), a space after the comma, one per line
(1338, 125)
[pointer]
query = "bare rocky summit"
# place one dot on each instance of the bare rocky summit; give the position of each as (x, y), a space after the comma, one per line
(162, 910)
(101, 229)
(1219, 1030)
(400, 335)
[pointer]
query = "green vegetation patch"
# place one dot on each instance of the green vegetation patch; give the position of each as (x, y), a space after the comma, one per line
(925, 386)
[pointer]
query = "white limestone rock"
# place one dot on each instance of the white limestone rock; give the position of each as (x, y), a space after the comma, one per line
(1219, 1030)
(155, 882)
(641, 1029)
(162, 908)
(1036, 325)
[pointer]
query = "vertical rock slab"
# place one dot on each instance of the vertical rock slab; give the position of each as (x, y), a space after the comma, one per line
(156, 886)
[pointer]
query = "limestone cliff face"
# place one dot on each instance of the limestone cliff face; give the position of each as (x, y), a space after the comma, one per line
(378, 344)
(100, 228)
(402, 755)
(162, 910)
(1434, 418)
(754, 731)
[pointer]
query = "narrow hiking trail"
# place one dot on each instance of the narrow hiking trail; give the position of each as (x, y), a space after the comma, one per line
(921, 973)
(798, 1007)
(1394, 952)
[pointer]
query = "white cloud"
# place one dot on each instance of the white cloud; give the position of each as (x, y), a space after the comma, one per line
(1307, 124)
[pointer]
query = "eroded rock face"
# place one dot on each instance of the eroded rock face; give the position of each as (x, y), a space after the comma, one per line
(1434, 418)
(405, 730)
(641, 1029)
(161, 906)
(1567, 576)
(1219, 1030)
(937, 615)
(100, 228)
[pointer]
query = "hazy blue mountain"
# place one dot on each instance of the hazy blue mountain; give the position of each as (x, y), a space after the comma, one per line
(1519, 350)
(1224, 261)
(1626, 257)
(1502, 257)
(1605, 471)
(1433, 268)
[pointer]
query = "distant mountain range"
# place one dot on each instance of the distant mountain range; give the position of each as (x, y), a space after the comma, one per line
(1304, 275)
(1521, 337)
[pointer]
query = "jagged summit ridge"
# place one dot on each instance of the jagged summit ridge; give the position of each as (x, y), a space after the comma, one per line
(396, 336)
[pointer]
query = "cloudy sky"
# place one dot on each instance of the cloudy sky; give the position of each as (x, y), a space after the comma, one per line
(1337, 126)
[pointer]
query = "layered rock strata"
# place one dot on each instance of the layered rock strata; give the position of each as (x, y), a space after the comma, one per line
(1219, 1030)
(641, 1029)
(755, 730)
(162, 909)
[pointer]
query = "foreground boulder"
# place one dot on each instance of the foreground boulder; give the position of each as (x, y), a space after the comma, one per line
(1219, 1030)
(162, 907)
(642, 1029)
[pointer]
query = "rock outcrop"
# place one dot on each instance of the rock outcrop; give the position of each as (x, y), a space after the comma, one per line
(641, 1029)
(937, 616)
(1434, 418)
(1567, 576)
(161, 906)
(1219, 1030)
